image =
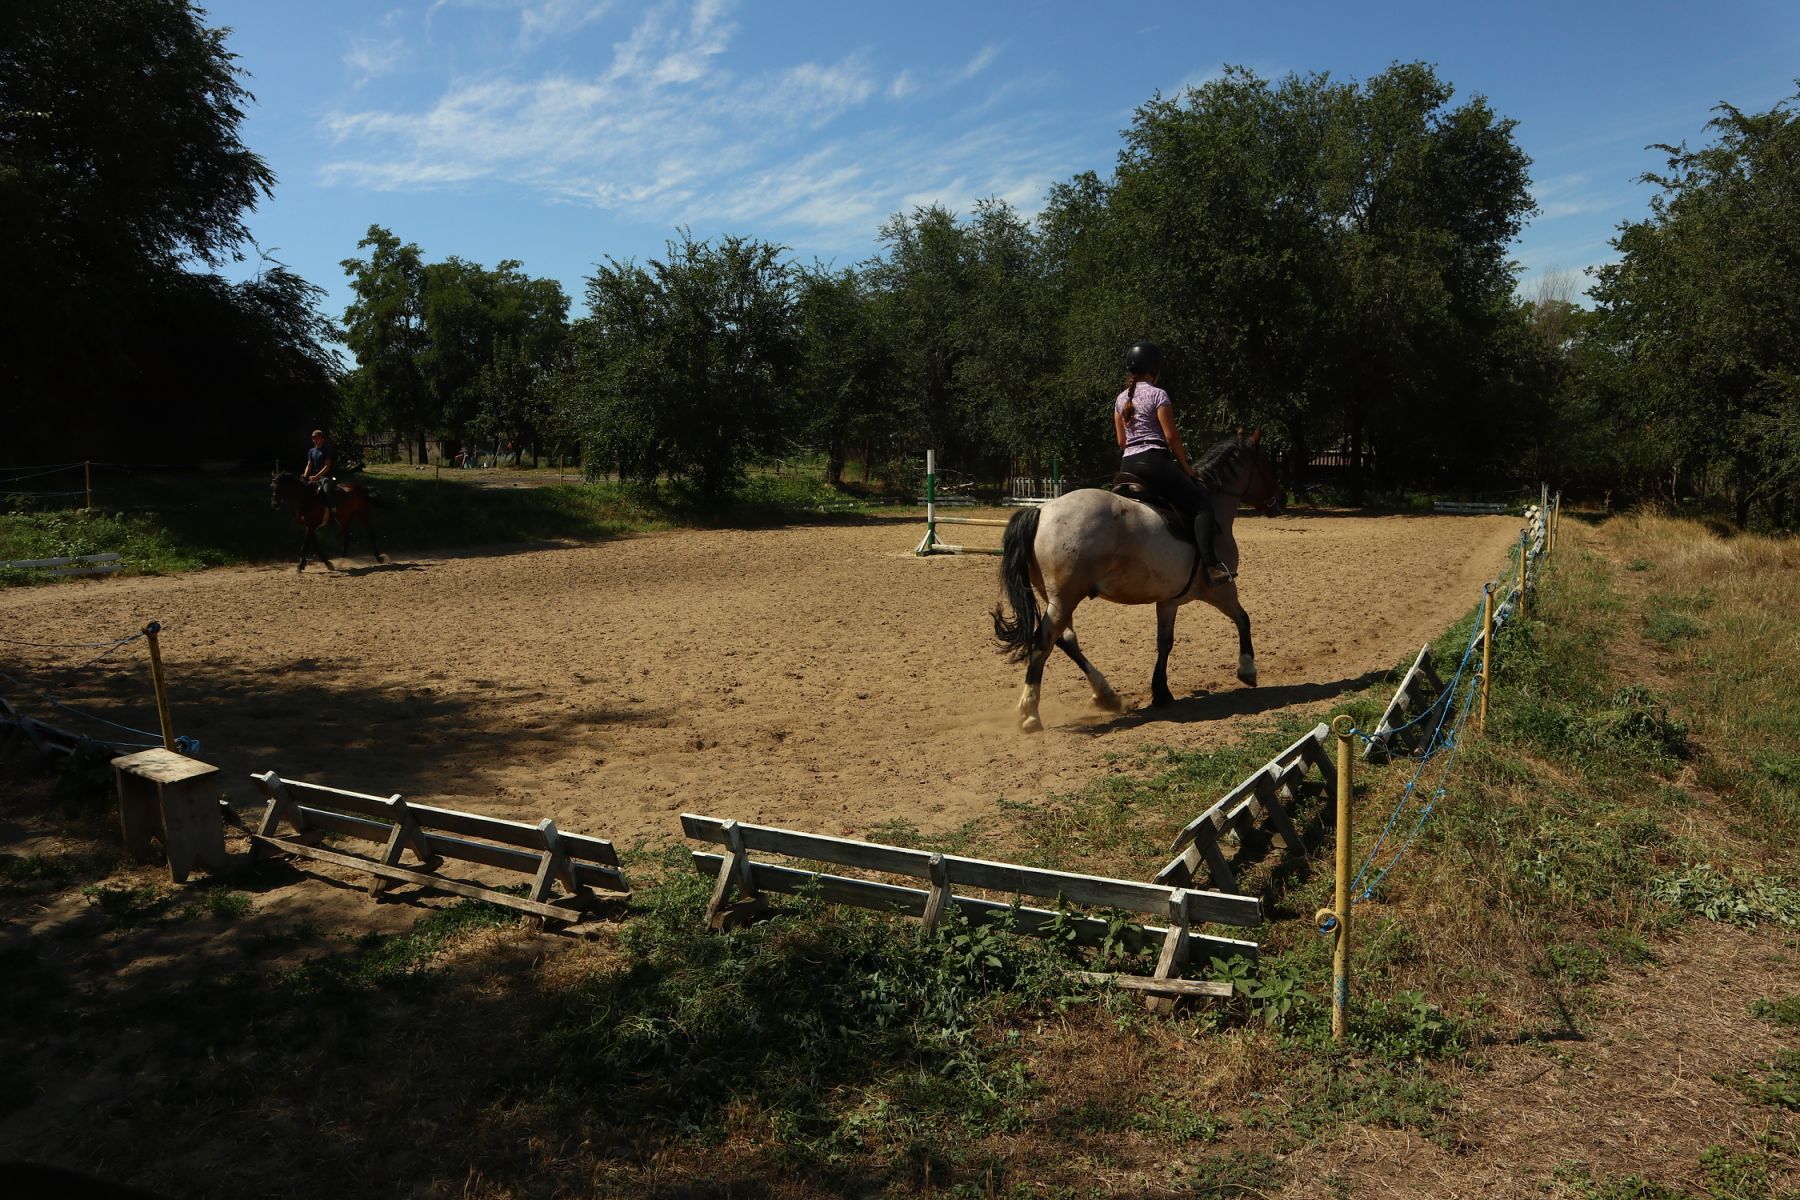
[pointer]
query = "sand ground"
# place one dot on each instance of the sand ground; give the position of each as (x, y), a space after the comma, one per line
(819, 677)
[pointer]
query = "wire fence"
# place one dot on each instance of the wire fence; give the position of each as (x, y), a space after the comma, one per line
(1446, 718)
(65, 738)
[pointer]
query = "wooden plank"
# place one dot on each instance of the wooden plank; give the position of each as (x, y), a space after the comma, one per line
(441, 846)
(1291, 841)
(1093, 891)
(940, 892)
(1144, 983)
(1218, 871)
(910, 902)
(455, 821)
(1179, 872)
(1306, 746)
(970, 521)
(457, 887)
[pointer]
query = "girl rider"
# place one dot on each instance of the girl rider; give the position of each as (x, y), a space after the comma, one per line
(1144, 422)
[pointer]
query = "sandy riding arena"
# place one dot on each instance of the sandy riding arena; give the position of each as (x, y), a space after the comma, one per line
(819, 677)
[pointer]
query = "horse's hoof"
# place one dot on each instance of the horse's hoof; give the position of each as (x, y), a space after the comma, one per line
(1110, 702)
(1248, 680)
(1247, 670)
(1031, 725)
(381, 558)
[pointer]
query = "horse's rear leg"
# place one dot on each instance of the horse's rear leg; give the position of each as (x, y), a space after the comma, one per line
(1049, 634)
(374, 542)
(1104, 696)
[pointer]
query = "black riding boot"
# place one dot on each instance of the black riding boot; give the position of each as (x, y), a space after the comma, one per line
(1206, 541)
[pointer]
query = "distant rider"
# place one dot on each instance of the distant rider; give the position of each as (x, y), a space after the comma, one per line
(319, 462)
(1144, 422)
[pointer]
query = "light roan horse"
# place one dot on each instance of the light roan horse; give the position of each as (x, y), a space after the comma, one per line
(353, 500)
(1093, 544)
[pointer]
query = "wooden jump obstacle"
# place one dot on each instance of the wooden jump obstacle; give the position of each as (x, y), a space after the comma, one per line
(544, 853)
(80, 564)
(1257, 808)
(1418, 689)
(47, 739)
(1466, 507)
(930, 543)
(735, 871)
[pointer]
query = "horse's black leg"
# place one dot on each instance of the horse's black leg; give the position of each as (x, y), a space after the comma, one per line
(1165, 642)
(1246, 652)
(344, 530)
(369, 521)
(1226, 601)
(1104, 696)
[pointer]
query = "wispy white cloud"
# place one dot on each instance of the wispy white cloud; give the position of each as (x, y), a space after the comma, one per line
(1573, 195)
(539, 20)
(368, 58)
(666, 131)
(984, 58)
(557, 18)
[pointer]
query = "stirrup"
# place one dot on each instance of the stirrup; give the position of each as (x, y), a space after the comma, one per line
(1220, 573)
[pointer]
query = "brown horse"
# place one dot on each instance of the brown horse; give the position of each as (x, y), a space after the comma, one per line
(353, 500)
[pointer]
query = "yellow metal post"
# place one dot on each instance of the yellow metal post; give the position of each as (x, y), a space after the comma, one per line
(1487, 651)
(1340, 957)
(162, 690)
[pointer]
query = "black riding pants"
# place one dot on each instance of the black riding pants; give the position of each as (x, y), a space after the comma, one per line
(1159, 469)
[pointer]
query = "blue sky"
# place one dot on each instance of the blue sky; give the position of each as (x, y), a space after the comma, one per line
(560, 132)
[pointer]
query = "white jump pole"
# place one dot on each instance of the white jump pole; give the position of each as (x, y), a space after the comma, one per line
(930, 544)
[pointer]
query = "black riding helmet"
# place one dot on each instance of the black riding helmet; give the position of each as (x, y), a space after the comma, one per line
(1143, 357)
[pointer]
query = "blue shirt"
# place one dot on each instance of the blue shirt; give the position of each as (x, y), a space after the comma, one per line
(317, 457)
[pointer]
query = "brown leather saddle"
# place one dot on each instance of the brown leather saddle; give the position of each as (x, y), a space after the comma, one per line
(1181, 527)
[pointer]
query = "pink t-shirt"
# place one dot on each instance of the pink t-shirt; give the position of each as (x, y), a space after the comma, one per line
(1142, 430)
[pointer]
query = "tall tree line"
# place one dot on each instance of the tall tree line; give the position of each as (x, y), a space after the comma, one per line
(124, 187)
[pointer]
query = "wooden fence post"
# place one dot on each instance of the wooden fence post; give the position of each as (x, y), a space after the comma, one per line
(162, 690)
(1487, 653)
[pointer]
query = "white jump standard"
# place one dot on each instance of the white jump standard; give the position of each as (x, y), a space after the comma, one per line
(930, 543)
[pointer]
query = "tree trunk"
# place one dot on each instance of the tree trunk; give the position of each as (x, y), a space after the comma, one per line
(834, 462)
(1357, 491)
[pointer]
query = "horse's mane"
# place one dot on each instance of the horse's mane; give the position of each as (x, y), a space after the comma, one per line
(1217, 463)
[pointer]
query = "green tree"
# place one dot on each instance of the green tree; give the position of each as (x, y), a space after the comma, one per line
(384, 327)
(687, 362)
(121, 167)
(1318, 256)
(1701, 313)
(846, 379)
(449, 348)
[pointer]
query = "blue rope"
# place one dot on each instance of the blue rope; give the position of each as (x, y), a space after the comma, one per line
(1439, 742)
(1452, 742)
(1431, 748)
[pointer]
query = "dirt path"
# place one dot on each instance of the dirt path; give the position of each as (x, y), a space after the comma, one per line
(818, 676)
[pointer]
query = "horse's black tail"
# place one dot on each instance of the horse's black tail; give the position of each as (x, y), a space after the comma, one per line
(1018, 635)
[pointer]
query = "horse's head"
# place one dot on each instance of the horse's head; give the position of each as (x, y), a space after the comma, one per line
(282, 486)
(1239, 466)
(1262, 487)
